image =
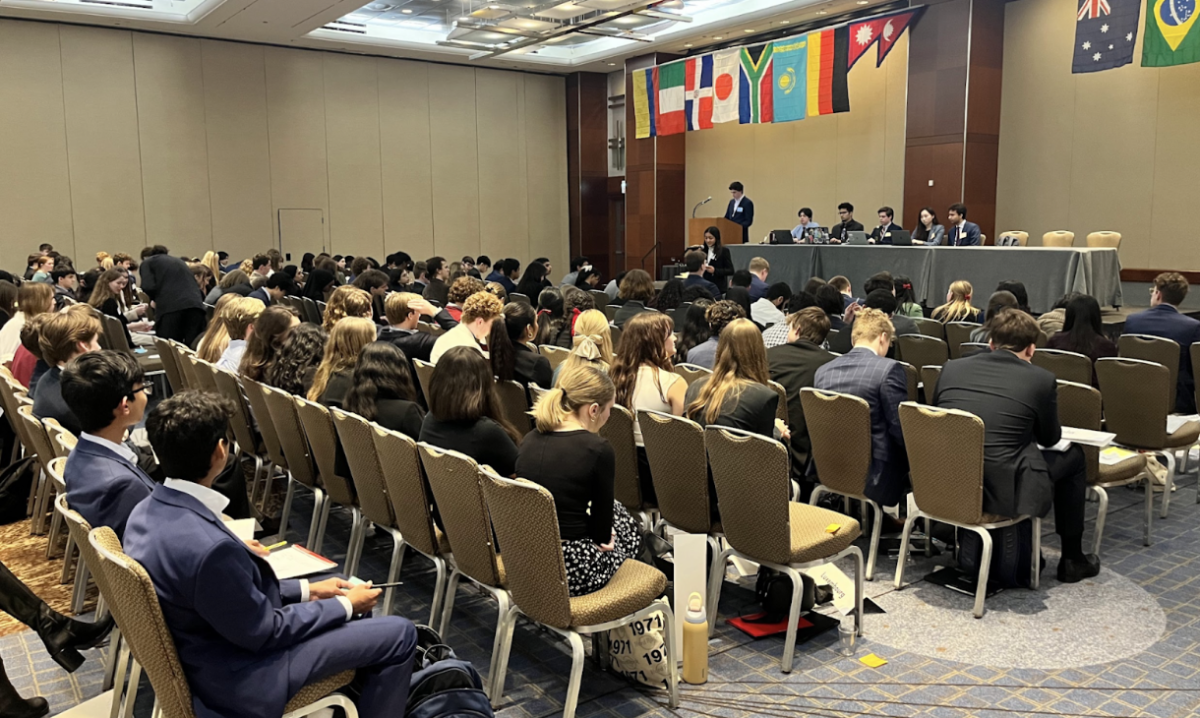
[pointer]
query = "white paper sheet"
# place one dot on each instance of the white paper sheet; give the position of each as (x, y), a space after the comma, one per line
(1087, 437)
(294, 562)
(242, 528)
(1175, 421)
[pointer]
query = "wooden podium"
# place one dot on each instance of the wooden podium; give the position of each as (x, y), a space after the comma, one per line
(731, 232)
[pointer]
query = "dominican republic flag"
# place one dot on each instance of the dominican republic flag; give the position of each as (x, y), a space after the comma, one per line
(699, 103)
(757, 103)
(727, 72)
(671, 115)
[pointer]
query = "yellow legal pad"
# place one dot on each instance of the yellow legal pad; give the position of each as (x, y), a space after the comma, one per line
(872, 660)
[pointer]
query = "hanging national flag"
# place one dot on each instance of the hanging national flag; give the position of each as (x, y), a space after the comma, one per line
(1171, 38)
(1105, 33)
(893, 28)
(790, 71)
(727, 71)
(863, 34)
(669, 80)
(827, 66)
(699, 102)
(757, 103)
(644, 97)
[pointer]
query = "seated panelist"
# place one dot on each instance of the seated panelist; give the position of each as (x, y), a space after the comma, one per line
(882, 234)
(247, 641)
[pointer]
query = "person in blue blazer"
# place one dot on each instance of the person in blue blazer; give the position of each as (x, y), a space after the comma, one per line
(106, 390)
(740, 210)
(1163, 319)
(866, 372)
(961, 233)
(247, 641)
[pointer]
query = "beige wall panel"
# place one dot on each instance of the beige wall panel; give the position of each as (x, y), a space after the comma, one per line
(405, 157)
(455, 160)
(862, 142)
(35, 192)
(895, 122)
(296, 123)
(352, 134)
(170, 101)
(774, 180)
(1172, 243)
(503, 202)
(815, 156)
(546, 173)
(715, 158)
(239, 153)
(102, 141)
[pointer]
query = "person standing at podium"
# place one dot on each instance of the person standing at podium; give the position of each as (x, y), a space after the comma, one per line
(718, 264)
(740, 211)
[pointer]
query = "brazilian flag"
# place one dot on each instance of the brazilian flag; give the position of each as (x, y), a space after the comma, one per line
(1172, 37)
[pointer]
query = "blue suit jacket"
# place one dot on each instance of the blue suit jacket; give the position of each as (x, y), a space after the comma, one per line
(744, 216)
(261, 295)
(1165, 321)
(694, 280)
(970, 238)
(104, 486)
(883, 384)
(224, 607)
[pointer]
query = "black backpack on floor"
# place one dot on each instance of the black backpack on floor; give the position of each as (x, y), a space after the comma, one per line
(1012, 549)
(443, 686)
(16, 480)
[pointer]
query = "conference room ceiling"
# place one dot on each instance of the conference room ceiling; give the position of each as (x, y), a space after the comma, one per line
(557, 36)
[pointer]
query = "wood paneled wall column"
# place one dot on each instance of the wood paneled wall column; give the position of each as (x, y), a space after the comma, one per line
(654, 186)
(955, 63)
(587, 170)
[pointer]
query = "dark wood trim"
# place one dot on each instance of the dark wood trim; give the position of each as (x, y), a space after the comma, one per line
(587, 168)
(1148, 275)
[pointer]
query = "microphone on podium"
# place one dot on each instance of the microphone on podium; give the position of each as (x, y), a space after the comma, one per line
(699, 205)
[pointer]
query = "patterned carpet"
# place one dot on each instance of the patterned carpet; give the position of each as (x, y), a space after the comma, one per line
(1153, 669)
(25, 556)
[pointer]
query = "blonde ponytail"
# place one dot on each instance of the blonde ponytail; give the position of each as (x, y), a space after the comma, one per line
(577, 387)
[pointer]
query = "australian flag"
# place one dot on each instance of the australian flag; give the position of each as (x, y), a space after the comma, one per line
(1105, 33)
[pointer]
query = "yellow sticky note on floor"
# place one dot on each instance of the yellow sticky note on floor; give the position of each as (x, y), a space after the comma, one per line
(872, 660)
(832, 528)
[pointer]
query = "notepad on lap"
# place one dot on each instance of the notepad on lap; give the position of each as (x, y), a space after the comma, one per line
(1087, 437)
(297, 561)
(1176, 421)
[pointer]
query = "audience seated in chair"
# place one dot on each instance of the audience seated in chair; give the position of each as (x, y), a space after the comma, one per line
(794, 366)
(333, 377)
(248, 642)
(865, 372)
(1163, 319)
(382, 390)
(718, 316)
(510, 349)
(592, 344)
(1083, 332)
(33, 298)
(479, 311)
(1018, 403)
(635, 295)
(736, 395)
(298, 357)
(768, 309)
(264, 344)
(64, 337)
(998, 302)
(239, 320)
(778, 334)
(695, 261)
(403, 311)
(958, 305)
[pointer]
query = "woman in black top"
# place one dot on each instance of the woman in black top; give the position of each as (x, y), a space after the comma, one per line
(464, 412)
(533, 280)
(569, 459)
(512, 357)
(719, 266)
(737, 394)
(108, 297)
(297, 359)
(382, 390)
(554, 325)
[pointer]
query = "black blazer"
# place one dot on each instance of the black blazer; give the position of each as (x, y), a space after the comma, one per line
(753, 411)
(416, 344)
(112, 309)
(399, 415)
(629, 310)
(168, 281)
(437, 291)
(531, 367)
(838, 229)
(1018, 403)
(743, 216)
(883, 235)
(795, 366)
(48, 402)
(722, 265)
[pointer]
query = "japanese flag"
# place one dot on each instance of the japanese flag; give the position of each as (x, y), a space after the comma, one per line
(727, 70)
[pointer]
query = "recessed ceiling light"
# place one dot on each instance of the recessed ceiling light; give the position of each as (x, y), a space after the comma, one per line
(464, 18)
(783, 22)
(718, 37)
(863, 2)
(822, 12)
(406, 11)
(749, 29)
(687, 44)
(612, 64)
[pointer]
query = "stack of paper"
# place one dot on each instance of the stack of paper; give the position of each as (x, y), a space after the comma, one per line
(1087, 437)
(297, 561)
(1176, 421)
(1115, 455)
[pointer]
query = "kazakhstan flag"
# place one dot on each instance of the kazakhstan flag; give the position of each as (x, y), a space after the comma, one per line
(1172, 37)
(791, 79)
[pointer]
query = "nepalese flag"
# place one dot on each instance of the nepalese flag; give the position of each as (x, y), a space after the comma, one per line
(893, 28)
(644, 97)
(698, 105)
(727, 71)
(757, 102)
(862, 36)
(790, 71)
(827, 89)
(1105, 33)
(669, 80)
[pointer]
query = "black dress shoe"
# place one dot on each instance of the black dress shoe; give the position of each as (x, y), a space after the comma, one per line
(64, 637)
(32, 708)
(1075, 570)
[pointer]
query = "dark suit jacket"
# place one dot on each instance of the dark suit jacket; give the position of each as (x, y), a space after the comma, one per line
(839, 229)
(722, 265)
(531, 367)
(261, 295)
(970, 236)
(1165, 321)
(233, 622)
(168, 281)
(437, 291)
(693, 280)
(754, 409)
(629, 310)
(104, 486)
(399, 415)
(416, 344)
(48, 402)
(883, 235)
(795, 367)
(743, 216)
(1018, 403)
(883, 384)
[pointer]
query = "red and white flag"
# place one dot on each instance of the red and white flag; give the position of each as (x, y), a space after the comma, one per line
(727, 71)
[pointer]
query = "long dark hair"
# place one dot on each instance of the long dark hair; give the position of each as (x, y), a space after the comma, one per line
(271, 331)
(507, 331)
(550, 315)
(531, 280)
(462, 389)
(382, 373)
(301, 352)
(1082, 323)
(904, 291)
(317, 282)
(921, 234)
(669, 297)
(716, 248)
(695, 330)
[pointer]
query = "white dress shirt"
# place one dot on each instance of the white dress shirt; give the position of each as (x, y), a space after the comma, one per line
(119, 449)
(765, 312)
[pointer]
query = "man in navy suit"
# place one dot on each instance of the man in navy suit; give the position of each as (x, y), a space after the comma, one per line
(1163, 319)
(277, 286)
(247, 641)
(882, 234)
(740, 210)
(106, 390)
(867, 373)
(694, 261)
(961, 233)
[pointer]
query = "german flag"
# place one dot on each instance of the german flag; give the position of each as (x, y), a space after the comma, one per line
(828, 51)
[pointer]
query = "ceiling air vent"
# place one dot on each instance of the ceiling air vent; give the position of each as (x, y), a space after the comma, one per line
(134, 4)
(355, 28)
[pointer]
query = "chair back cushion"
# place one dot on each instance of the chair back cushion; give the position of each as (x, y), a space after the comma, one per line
(1104, 239)
(358, 441)
(257, 399)
(240, 422)
(1126, 386)
(514, 405)
(957, 334)
(424, 377)
(61, 440)
(190, 379)
(170, 363)
(945, 458)
(839, 426)
(1080, 406)
(1059, 238)
(457, 488)
(692, 372)
(930, 327)
(921, 350)
(1156, 349)
(291, 435)
(324, 444)
(753, 490)
(929, 378)
(203, 372)
(678, 467)
(555, 355)
(407, 491)
(1067, 366)
(618, 430)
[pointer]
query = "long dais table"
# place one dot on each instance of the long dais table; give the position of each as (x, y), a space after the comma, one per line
(1048, 272)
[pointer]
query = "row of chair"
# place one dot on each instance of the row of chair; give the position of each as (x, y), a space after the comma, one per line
(1063, 238)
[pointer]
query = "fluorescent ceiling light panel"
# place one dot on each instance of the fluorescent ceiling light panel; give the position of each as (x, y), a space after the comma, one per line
(528, 24)
(608, 4)
(565, 11)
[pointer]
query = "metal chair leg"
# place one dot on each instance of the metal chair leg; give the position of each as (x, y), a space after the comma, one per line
(985, 567)
(902, 559)
(1170, 486)
(394, 570)
(1101, 516)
